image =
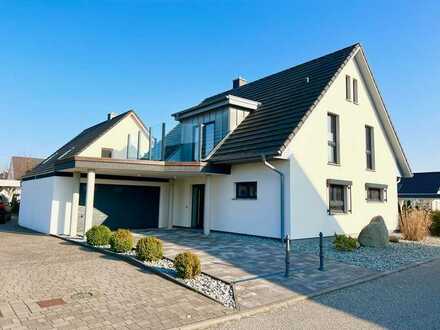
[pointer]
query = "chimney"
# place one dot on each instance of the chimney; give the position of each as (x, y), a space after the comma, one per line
(238, 82)
(111, 115)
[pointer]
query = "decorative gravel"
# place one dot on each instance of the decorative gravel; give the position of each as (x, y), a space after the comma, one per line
(212, 287)
(394, 256)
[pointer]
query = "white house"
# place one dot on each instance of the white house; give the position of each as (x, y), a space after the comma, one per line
(309, 149)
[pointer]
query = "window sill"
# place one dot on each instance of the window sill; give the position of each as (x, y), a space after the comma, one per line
(375, 202)
(244, 199)
(348, 100)
(370, 170)
(333, 164)
(356, 103)
(338, 212)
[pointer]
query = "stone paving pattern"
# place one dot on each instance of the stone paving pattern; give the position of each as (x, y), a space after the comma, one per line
(255, 265)
(38, 267)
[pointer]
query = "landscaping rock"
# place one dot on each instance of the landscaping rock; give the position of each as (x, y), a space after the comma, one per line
(375, 234)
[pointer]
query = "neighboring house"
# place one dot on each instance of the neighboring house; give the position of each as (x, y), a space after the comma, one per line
(19, 166)
(422, 190)
(322, 125)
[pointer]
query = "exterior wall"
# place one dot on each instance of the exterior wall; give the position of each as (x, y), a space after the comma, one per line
(236, 116)
(310, 170)
(45, 204)
(182, 200)
(117, 137)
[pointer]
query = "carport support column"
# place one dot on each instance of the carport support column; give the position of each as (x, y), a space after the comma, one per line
(208, 206)
(171, 204)
(75, 204)
(90, 196)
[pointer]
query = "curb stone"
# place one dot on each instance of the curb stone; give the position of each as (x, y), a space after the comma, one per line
(290, 301)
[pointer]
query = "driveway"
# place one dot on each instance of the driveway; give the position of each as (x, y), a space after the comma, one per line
(87, 289)
(255, 265)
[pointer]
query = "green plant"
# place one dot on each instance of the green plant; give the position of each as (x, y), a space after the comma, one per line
(345, 243)
(121, 241)
(149, 248)
(98, 235)
(435, 225)
(187, 265)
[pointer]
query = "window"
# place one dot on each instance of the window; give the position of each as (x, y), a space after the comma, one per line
(196, 142)
(246, 190)
(369, 147)
(355, 92)
(208, 138)
(339, 193)
(348, 88)
(106, 153)
(376, 192)
(333, 137)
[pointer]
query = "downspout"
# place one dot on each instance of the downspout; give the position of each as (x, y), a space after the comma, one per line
(284, 236)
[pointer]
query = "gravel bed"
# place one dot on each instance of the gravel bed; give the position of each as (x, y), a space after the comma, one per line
(212, 287)
(394, 256)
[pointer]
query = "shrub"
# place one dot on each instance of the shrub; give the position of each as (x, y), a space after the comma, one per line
(98, 235)
(435, 225)
(394, 239)
(149, 248)
(187, 265)
(345, 243)
(121, 241)
(415, 224)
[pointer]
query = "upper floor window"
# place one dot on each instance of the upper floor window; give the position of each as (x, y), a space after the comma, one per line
(208, 138)
(369, 147)
(333, 138)
(196, 142)
(348, 88)
(355, 91)
(106, 153)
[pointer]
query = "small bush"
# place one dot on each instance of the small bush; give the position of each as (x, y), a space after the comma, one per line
(415, 224)
(98, 235)
(435, 225)
(121, 241)
(345, 243)
(187, 265)
(394, 239)
(149, 248)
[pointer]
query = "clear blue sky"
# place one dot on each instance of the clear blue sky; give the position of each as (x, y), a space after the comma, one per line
(65, 64)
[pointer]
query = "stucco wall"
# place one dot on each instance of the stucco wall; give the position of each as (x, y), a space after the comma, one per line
(116, 138)
(310, 169)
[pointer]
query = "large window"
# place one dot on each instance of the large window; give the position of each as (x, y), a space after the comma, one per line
(369, 147)
(246, 190)
(355, 91)
(339, 196)
(196, 142)
(208, 138)
(333, 139)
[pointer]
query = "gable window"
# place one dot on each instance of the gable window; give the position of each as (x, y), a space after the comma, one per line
(333, 138)
(339, 196)
(355, 92)
(208, 138)
(369, 147)
(106, 153)
(376, 192)
(246, 190)
(348, 88)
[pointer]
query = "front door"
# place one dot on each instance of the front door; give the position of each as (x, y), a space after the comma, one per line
(198, 205)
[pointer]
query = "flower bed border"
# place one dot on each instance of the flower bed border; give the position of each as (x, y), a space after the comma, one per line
(136, 262)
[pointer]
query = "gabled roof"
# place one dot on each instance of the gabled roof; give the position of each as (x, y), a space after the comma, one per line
(286, 100)
(421, 185)
(78, 143)
(20, 165)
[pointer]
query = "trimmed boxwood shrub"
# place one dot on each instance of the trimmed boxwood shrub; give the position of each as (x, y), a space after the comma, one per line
(345, 243)
(187, 265)
(121, 241)
(435, 225)
(149, 248)
(98, 235)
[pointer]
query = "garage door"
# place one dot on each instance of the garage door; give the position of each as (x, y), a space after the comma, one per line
(118, 206)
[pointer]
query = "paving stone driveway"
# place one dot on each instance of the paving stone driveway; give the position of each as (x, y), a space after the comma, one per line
(255, 265)
(37, 267)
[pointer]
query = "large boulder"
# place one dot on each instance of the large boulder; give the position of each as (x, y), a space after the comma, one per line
(375, 234)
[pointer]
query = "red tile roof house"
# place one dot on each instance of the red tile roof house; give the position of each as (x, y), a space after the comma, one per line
(306, 150)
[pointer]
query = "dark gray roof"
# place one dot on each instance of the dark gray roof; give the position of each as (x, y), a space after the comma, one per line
(422, 185)
(77, 144)
(286, 99)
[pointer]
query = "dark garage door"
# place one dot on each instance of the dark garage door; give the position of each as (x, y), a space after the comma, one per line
(133, 207)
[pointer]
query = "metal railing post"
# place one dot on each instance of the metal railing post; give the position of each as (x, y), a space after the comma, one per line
(162, 151)
(286, 273)
(321, 252)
